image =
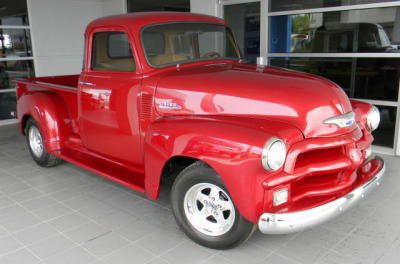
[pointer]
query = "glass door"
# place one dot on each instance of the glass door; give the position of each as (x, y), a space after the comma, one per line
(244, 20)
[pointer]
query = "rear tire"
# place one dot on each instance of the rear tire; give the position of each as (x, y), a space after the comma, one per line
(204, 210)
(40, 155)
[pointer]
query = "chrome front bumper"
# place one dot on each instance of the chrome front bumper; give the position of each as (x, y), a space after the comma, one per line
(286, 223)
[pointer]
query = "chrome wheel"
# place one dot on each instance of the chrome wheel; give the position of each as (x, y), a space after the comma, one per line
(209, 209)
(35, 141)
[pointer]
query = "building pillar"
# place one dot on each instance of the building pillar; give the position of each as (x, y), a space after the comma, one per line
(207, 7)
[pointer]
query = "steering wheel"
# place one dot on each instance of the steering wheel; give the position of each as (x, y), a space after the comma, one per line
(212, 54)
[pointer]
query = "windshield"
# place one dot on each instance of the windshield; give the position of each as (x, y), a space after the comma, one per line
(175, 43)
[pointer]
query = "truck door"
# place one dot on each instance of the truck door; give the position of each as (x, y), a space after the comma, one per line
(108, 93)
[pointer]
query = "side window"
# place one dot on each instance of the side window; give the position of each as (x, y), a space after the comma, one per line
(112, 52)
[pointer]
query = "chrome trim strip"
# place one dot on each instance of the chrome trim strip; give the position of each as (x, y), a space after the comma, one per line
(274, 224)
(54, 85)
(86, 83)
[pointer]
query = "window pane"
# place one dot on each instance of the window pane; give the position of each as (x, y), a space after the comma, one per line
(367, 30)
(158, 5)
(377, 79)
(335, 69)
(364, 78)
(11, 70)
(287, 5)
(15, 43)
(118, 46)
(13, 12)
(384, 135)
(112, 52)
(244, 20)
(8, 105)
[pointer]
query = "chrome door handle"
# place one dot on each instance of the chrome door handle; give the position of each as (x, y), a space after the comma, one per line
(87, 83)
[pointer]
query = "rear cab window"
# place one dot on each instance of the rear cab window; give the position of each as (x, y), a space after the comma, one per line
(111, 51)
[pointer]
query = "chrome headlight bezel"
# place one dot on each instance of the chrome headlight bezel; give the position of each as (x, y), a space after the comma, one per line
(373, 118)
(273, 155)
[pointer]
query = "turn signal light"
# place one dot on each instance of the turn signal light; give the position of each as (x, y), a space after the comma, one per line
(281, 197)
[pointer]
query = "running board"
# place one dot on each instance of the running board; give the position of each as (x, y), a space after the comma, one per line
(114, 172)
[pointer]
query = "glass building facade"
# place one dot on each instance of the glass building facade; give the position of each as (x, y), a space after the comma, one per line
(355, 43)
(16, 58)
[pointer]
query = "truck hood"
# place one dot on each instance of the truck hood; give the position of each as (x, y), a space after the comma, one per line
(300, 99)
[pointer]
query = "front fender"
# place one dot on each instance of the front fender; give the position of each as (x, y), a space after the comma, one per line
(361, 110)
(50, 114)
(231, 146)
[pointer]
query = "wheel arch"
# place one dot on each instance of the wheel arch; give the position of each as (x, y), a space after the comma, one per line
(172, 168)
(24, 120)
(176, 164)
(50, 114)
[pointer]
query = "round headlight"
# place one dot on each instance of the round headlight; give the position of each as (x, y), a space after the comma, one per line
(373, 118)
(273, 154)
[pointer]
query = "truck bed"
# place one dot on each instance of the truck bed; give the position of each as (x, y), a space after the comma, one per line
(66, 82)
(64, 90)
(64, 87)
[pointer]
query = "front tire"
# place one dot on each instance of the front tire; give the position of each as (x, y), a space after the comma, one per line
(205, 211)
(40, 155)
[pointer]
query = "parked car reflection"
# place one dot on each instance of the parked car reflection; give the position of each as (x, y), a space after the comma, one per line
(344, 37)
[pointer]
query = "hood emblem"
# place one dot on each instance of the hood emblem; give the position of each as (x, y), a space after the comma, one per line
(169, 105)
(342, 121)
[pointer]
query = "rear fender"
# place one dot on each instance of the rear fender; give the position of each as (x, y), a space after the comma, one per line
(50, 114)
(231, 146)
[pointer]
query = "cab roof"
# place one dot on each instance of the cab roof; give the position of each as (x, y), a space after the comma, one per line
(138, 20)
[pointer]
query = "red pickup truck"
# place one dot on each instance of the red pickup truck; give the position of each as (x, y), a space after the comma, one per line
(169, 95)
